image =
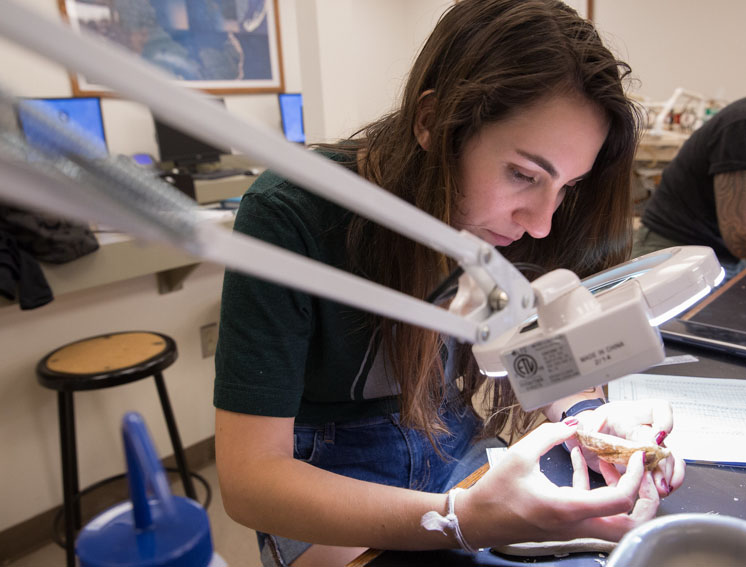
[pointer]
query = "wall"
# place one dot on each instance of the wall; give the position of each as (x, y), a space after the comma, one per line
(678, 43)
(354, 57)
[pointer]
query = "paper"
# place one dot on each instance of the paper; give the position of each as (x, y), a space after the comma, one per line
(709, 413)
(494, 454)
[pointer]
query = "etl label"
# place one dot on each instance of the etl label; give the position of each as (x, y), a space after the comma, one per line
(542, 363)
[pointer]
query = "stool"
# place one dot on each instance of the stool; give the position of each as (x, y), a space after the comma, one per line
(102, 362)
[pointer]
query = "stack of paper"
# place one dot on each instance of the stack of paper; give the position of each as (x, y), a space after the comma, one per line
(709, 413)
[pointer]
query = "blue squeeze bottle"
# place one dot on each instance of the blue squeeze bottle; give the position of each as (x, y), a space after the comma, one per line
(163, 530)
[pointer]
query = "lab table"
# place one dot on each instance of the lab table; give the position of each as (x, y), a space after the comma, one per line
(707, 488)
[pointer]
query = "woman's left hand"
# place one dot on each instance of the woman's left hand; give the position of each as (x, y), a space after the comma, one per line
(648, 421)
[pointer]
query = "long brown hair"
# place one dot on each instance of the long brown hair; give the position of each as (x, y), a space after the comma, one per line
(485, 60)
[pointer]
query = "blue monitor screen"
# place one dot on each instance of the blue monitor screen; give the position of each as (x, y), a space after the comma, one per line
(85, 112)
(291, 112)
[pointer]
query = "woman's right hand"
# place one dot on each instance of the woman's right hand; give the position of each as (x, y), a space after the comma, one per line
(515, 502)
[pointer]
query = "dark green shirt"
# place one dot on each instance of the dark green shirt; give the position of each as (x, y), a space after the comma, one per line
(284, 353)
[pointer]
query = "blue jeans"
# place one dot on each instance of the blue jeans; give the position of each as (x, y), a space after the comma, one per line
(381, 450)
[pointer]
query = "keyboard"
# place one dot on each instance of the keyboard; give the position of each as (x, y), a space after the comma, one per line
(218, 174)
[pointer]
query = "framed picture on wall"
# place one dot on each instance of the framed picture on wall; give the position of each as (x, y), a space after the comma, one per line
(219, 46)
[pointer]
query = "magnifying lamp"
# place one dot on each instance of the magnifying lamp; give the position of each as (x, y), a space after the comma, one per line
(582, 339)
(590, 332)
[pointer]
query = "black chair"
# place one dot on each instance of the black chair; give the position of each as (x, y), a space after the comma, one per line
(102, 362)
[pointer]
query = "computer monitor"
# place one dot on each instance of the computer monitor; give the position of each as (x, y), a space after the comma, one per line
(291, 112)
(85, 112)
(185, 151)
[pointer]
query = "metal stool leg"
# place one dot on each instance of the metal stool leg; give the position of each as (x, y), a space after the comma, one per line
(70, 487)
(186, 477)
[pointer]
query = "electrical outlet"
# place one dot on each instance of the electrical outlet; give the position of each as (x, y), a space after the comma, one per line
(209, 339)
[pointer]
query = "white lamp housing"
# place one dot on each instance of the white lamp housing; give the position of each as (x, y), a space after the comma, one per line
(584, 339)
(672, 279)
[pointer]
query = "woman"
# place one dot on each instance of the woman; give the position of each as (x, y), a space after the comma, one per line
(343, 429)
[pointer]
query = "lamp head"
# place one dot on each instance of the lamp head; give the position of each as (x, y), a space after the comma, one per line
(591, 332)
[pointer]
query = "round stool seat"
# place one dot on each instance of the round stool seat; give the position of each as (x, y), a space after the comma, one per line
(106, 360)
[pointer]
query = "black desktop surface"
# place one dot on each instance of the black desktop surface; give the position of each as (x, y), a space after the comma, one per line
(725, 307)
(717, 322)
(707, 488)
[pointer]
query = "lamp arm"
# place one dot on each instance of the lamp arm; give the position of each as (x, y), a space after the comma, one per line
(198, 114)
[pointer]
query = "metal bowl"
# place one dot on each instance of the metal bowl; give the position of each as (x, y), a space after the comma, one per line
(683, 540)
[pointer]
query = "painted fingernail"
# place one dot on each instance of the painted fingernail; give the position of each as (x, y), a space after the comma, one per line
(660, 437)
(665, 486)
(570, 422)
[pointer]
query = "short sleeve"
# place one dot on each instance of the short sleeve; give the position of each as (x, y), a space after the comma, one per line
(264, 328)
(728, 148)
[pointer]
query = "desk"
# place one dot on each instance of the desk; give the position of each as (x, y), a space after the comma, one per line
(215, 190)
(658, 149)
(653, 153)
(205, 190)
(707, 488)
(121, 257)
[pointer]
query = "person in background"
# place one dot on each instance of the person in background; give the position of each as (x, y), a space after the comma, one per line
(701, 199)
(338, 430)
